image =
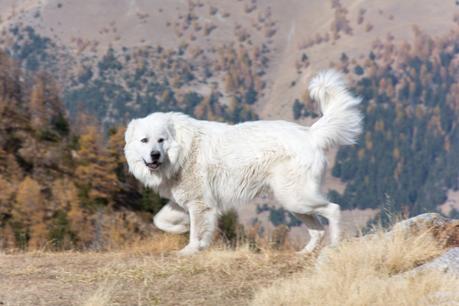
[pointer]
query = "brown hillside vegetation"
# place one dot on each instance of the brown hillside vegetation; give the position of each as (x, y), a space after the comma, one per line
(410, 101)
(361, 271)
(61, 188)
(76, 227)
(253, 61)
(300, 37)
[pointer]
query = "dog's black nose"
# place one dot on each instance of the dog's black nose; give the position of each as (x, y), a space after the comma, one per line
(155, 155)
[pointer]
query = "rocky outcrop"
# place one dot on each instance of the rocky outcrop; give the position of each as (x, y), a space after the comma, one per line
(445, 230)
(448, 262)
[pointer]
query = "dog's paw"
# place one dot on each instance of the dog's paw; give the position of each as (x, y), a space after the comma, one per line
(188, 250)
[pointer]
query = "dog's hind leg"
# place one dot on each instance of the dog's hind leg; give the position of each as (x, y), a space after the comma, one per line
(315, 229)
(304, 206)
(203, 223)
(332, 212)
(302, 196)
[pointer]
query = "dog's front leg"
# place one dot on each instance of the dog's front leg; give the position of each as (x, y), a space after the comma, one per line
(172, 219)
(203, 222)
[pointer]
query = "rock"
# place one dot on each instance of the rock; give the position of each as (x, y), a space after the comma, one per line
(421, 222)
(445, 230)
(448, 262)
(449, 234)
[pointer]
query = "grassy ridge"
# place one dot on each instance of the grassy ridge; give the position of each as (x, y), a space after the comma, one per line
(361, 271)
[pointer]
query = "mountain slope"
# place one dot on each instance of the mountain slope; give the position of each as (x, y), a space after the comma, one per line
(320, 30)
(244, 60)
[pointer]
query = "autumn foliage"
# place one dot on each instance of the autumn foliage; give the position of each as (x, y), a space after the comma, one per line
(61, 187)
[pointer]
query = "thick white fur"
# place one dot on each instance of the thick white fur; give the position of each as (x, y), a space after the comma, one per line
(209, 167)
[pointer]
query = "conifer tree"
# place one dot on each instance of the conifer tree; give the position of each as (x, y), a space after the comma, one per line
(29, 213)
(96, 170)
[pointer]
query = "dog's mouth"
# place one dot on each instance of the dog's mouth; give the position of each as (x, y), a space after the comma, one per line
(153, 165)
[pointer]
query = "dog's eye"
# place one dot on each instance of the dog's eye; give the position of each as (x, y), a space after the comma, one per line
(160, 140)
(144, 140)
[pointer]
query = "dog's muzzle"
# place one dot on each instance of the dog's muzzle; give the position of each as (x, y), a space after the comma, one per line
(154, 165)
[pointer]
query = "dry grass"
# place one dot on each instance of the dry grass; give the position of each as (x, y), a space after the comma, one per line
(360, 272)
(102, 296)
(146, 273)
(159, 244)
(368, 272)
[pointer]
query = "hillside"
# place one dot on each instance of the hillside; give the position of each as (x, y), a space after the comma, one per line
(243, 60)
(56, 190)
(408, 154)
(321, 30)
(76, 228)
(375, 270)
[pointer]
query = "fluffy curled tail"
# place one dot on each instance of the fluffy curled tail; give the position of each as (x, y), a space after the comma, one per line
(341, 122)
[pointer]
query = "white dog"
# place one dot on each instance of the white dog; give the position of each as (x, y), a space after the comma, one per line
(205, 167)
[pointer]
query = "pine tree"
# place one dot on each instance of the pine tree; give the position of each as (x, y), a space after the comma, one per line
(96, 170)
(29, 213)
(79, 222)
(46, 108)
(37, 104)
(7, 237)
(115, 153)
(6, 196)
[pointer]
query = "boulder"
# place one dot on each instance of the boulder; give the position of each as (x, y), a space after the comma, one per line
(448, 262)
(445, 230)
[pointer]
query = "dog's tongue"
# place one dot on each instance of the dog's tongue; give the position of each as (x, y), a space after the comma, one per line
(153, 165)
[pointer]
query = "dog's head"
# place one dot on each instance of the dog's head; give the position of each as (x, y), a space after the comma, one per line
(149, 139)
(154, 146)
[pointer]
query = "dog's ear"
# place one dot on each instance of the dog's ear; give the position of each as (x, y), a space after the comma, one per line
(181, 135)
(174, 147)
(170, 128)
(130, 131)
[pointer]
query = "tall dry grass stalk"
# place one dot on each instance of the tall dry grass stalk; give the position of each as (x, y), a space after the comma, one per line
(368, 271)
